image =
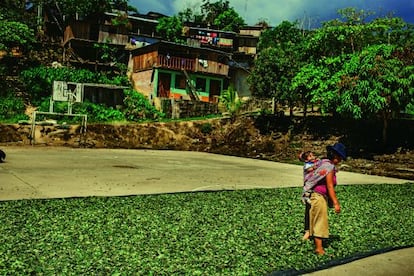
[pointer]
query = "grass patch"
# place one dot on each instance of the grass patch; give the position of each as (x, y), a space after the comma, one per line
(248, 232)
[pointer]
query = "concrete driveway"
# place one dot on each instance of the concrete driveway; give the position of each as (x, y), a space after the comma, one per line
(51, 172)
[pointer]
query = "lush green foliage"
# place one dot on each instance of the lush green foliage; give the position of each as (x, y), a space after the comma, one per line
(229, 20)
(374, 81)
(206, 128)
(170, 28)
(189, 15)
(359, 69)
(14, 10)
(105, 52)
(137, 107)
(91, 7)
(95, 112)
(371, 83)
(281, 57)
(11, 108)
(39, 80)
(230, 101)
(13, 34)
(262, 80)
(410, 109)
(99, 113)
(349, 67)
(245, 232)
(219, 14)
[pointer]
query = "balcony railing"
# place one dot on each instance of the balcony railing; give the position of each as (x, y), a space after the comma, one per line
(176, 62)
(192, 65)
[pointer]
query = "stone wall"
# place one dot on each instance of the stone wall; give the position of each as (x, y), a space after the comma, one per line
(176, 109)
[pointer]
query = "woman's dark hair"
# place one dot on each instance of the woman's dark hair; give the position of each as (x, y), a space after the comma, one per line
(330, 154)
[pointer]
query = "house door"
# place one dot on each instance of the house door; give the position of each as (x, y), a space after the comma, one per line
(164, 84)
(215, 90)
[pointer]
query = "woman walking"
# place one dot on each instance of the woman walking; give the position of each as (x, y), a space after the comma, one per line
(322, 193)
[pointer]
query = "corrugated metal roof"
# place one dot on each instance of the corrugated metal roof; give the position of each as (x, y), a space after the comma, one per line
(164, 42)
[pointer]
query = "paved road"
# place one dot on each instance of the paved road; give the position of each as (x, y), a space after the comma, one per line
(50, 172)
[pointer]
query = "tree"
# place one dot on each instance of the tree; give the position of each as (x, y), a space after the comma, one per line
(262, 79)
(170, 28)
(376, 82)
(15, 34)
(309, 79)
(229, 20)
(189, 15)
(86, 8)
(280, 58)
(221, 15)
(218, 14)
(359, 69)
(353, 33)
(212, 10)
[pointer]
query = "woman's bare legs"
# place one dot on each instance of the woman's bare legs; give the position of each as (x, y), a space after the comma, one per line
(306, 236)
(318, 246)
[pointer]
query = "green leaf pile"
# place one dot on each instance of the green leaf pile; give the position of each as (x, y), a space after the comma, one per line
(244, 232)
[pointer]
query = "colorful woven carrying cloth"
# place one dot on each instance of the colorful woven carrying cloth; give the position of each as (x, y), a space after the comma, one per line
(322, 168)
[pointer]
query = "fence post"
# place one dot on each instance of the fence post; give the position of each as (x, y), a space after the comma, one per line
(175, 109)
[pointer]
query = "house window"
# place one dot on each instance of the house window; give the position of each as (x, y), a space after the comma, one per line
(201, 84)
(180, 82)
(248, 42)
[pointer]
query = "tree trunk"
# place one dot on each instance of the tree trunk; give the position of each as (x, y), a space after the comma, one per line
(305, 109)
(385, 130)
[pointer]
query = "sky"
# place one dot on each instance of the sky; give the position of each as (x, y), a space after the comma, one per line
(310, 12)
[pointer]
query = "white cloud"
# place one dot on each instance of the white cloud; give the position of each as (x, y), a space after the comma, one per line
(145, 6)
(180, 5)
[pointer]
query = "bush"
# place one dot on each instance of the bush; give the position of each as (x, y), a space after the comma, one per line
(12, 108)
(95, 112)
(99, 113)
(137, 107)
(206, 128)
(410, 109)
(39, 80)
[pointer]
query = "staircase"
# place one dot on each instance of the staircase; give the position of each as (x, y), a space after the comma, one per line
(192, 90)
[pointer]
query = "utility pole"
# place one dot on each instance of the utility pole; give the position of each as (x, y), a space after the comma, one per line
(39, 16)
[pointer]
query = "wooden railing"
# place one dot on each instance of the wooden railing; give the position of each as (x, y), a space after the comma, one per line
(192, 65)
(176, 62)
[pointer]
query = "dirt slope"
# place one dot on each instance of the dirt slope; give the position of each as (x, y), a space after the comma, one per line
(247, 137)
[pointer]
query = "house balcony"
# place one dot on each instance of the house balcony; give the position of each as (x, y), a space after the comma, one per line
(192, 65)
(176, 63)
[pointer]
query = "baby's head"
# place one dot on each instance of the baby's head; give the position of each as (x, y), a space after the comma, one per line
(306, 156)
